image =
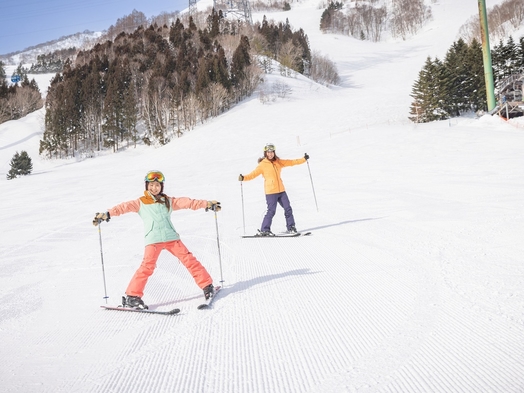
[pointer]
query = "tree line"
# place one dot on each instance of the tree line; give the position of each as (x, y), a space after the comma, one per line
(155, 83)
(53, 62)
(447, 88)
(368, 21)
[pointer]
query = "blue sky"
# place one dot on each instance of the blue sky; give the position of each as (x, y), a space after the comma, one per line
(25, 23)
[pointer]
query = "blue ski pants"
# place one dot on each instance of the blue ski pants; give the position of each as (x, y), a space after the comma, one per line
(282, 199)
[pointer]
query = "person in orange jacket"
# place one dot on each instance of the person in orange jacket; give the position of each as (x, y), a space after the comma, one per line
(155, 209)
(270, 167)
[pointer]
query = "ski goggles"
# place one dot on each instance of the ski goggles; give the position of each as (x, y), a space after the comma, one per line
(269, 147)
(155, 176)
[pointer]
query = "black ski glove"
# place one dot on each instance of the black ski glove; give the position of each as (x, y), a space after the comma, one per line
(99, 217)
(306, 156)
(240, 177)
(213, 205)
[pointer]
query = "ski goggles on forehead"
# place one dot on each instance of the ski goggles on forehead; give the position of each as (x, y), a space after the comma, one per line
(269, 147)
(155, 176)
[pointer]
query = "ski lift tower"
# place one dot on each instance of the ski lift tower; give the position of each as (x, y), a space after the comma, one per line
(238, 9)
(192, 7)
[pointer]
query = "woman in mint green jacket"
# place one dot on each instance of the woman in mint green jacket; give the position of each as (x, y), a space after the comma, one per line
(155, 209)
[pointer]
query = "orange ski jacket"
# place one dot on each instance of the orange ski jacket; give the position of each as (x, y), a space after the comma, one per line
(270, 170)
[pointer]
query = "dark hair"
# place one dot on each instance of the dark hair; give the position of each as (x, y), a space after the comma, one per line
(265, 156)
(158, 198)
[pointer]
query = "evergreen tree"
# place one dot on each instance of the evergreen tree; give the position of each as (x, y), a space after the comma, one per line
(418, 93)
(301, 41)
(455, 76)
(205, 39)
(62, 115)
(73, 108)
(204, 75)
(326, 19)
(328, 16)
(129, 110)
(285, 31)
(475, 83)
(55, 119)
(220, 68)
(520, 54)
(270, 33)
(511, 57)
(192, 28)
(240, 61)
(3, 83)
(497, 62)
(428, 94)
(21, 165)
(92, 97)
(113, 106)
(213, 23)
(176, 33)
(507, 59)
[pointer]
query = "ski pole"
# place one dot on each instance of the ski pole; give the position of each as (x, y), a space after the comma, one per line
(312, 186)
(102, 258)
(218, 244)
(243, 215)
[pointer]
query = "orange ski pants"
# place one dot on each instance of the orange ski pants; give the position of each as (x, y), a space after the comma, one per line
(151, 253)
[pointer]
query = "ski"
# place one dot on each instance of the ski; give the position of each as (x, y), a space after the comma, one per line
(208, 302)
(278, 235)
(120, 308)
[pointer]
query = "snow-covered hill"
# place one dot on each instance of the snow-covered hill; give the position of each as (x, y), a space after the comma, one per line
(412, 280)
(29, 55)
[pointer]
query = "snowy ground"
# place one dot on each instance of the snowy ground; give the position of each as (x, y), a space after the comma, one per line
(413, 279)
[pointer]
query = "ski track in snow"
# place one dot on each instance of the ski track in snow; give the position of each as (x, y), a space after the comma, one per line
(371, 302)
(378, 308)
(410, 283)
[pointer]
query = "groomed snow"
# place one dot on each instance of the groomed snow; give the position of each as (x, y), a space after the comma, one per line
(412, 281)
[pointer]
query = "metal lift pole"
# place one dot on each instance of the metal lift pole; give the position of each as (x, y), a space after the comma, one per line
(486, 56)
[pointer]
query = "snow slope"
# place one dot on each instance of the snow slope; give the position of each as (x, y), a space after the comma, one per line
(411, 282)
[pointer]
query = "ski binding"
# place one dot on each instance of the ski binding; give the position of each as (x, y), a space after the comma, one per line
(208, 302)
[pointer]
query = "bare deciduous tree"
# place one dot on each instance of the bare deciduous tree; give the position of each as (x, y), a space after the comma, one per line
(229, 43)
(218, 98)
(277, 90)
(323, 70)
(407, 17)
(503, 19)
(282, 90)
(288, 56)
(5, 112)
(25, 101)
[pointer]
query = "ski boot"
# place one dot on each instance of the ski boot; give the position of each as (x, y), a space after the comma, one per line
(265, 233)
(209, 291)
(133, 302)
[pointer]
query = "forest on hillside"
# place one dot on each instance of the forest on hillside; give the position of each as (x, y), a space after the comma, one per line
(158, 82)
(151, 80)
